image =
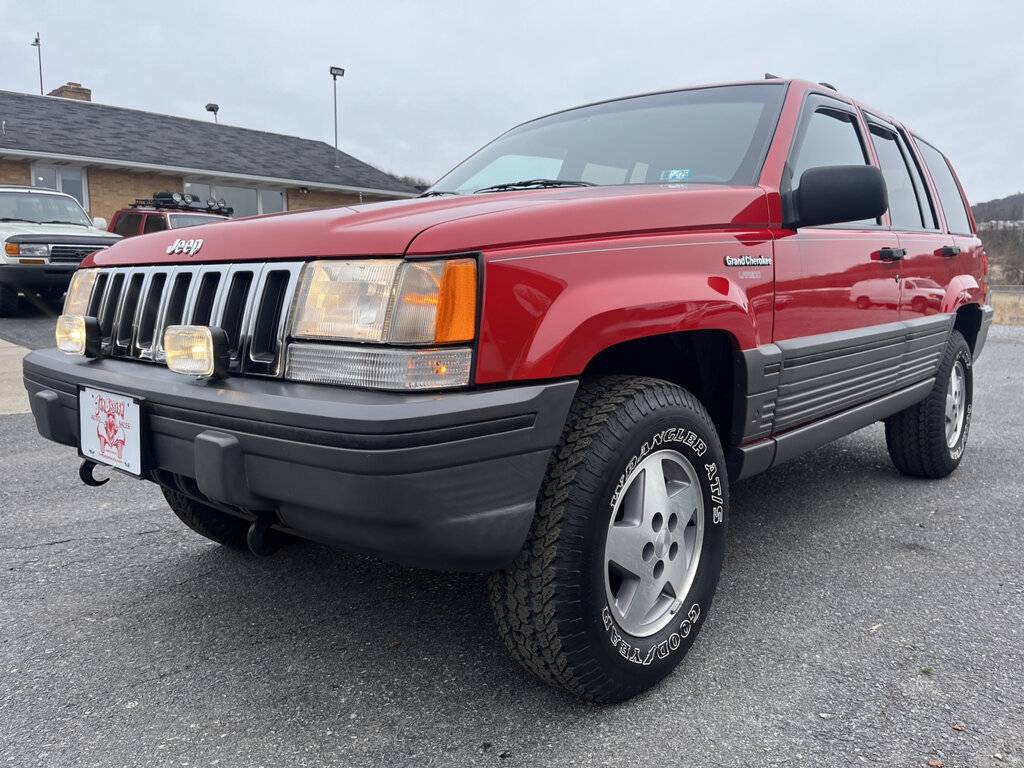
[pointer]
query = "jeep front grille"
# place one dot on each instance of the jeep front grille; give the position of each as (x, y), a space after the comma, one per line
(249, 301)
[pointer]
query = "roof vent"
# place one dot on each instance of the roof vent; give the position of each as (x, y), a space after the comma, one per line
(72, 91)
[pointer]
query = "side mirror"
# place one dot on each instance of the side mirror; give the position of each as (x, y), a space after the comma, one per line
(99, 222)
(834, 194)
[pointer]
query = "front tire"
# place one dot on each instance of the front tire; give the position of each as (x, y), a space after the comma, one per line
(928, 439)
(218, 526)
(633, 507)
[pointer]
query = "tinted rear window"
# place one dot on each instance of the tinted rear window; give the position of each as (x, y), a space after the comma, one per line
(904, 210)
(949, 192)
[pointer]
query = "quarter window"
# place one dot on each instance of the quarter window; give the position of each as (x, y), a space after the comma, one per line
(949, 193)
(904, 211)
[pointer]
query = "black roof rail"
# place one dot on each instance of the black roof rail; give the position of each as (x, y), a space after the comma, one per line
(828, 85)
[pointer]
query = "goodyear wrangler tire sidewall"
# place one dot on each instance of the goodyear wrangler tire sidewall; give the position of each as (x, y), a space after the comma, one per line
(644, 660)
(964, 357)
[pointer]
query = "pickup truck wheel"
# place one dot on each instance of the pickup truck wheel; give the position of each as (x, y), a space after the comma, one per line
(928, 439)
(209, 522)
(617, 575)
(8, 301)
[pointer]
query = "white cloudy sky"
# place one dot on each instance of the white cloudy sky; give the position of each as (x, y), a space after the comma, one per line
(428, 82)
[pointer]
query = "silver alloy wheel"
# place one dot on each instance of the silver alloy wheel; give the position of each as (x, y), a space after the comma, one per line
(956, 401)
(654, 543)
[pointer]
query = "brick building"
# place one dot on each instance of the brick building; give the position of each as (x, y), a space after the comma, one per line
(108, 156)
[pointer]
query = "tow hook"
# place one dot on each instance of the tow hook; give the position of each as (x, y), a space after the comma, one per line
(261, 540)
(85, 474)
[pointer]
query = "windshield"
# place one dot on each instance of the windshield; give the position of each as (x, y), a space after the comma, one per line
(708, 135)
(182, 220)
(37, 208)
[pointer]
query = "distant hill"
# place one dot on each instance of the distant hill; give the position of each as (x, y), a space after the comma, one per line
(1004, 209)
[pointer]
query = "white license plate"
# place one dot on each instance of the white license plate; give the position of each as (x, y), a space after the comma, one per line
(110, 429)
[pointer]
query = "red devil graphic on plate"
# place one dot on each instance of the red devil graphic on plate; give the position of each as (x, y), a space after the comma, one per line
(110, 427)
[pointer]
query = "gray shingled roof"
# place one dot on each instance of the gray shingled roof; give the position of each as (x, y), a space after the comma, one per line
(86, 129)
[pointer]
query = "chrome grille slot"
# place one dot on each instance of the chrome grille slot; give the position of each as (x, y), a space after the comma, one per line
(232, 311)
(203, 303)
(146, 331)
(276, 287)
(108, 311)
(125, 325)
(134, 306)
(98, 292)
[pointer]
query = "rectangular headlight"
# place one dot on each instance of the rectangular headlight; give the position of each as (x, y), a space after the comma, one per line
(387, 301)
(79, 292)
(378, 367)
(37, 250)
(344, 299)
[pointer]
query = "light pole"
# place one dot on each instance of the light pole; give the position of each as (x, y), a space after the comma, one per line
(214, 108)
(38, 45)
(336, 72)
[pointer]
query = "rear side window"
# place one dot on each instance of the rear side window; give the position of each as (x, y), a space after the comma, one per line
(949, 193)
(831, 138)
(154, 223)
(128, 224)
(904, 209)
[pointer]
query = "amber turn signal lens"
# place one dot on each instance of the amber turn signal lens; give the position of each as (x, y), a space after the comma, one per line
(456, 308)
(12, 249)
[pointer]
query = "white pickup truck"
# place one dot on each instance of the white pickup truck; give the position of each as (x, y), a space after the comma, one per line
(45, 235)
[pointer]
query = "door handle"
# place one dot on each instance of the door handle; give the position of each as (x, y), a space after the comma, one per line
(949, 250)
(892, 254)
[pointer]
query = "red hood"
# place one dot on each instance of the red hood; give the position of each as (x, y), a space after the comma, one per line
(453, 224)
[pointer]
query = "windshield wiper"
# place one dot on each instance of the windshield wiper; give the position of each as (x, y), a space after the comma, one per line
(62, 221)
(436, 193)
(12, 218)
(534, 184)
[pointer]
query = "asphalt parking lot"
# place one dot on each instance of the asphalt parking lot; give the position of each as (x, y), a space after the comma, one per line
(862, 618)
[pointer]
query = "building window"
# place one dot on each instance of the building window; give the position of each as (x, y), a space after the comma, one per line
(247, 201)
(63, 178)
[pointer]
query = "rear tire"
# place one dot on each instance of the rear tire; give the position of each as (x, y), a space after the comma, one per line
(218, 526)
(8, 301)
(563, 606)
(928, 439)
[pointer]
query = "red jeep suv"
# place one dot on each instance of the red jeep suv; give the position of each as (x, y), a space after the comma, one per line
(553, 365)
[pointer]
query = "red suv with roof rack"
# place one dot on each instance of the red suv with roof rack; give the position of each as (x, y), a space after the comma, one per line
(553, 365)
(167, 210)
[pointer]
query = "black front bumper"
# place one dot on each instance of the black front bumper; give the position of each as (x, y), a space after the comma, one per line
(446, 481)
(37, 277)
